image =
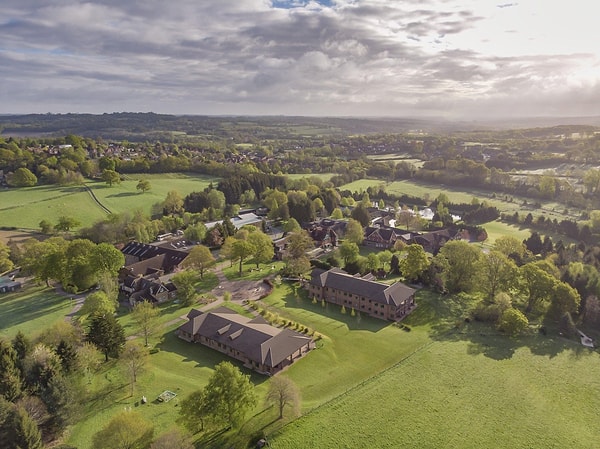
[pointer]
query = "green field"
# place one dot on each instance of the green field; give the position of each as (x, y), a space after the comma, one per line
(504, 202)
(31, 310)
(124, 197)
(26, 207)
(322, 176)
(458, 394)
(369, 383)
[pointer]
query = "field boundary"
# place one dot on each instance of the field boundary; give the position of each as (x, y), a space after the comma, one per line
(102, 206)
(361, 384)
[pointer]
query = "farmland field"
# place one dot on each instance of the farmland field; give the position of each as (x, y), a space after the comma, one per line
(26, 207)
(490, 394)
(124, 197)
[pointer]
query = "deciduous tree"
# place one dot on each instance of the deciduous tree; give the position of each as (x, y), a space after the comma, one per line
(262, 244)
(133, 359)
(145, 316)
(65, 223)
(126, 430)
(349, 252)
(414, 263)
(354, 232)
(498, 273)
(241, 250)
(110, 177)
(105, 258)
(194, 412)
(537, 284)
(200, 258)
(22, 177)
(461, 262)
(513, 321)
(229, 394)
(98, 304)
(283, 393)
(143, 185)
(185, 281)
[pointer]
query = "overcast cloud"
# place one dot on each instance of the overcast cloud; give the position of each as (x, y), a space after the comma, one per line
(448, 58)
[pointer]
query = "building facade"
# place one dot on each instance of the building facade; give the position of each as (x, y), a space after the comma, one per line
(363, 294)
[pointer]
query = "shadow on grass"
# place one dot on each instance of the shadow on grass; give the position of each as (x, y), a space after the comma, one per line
(122, 194)
(202, 356)
(30, 304)
(300, 301)
(247, 435)
(449, 319)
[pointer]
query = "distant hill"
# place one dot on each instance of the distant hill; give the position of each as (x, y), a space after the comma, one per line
(150, 126)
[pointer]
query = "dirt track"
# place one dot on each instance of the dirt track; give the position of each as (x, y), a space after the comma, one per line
(19, 236)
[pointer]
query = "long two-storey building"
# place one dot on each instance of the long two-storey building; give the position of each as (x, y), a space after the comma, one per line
(363, 294)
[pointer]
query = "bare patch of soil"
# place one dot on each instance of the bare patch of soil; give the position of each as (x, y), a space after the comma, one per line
(19, 236)
(241, 290)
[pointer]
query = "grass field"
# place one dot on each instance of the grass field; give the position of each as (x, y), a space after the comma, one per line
(124, 196)
(369, 383)
(322, 176)
(450, 395)
(26, 207)
(31, 310)
(505, 203)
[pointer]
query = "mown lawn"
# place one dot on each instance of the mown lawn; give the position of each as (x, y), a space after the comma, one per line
(26, 207)
(449, 396)
(467, 388)
(434, 381)
(31, 310)
(345, 355)
(249, 270)
(125, 197)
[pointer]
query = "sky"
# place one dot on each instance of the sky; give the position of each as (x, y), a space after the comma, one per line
(455, 59)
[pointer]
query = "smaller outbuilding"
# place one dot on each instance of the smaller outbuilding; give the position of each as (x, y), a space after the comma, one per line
(8, 285)
(253, 341)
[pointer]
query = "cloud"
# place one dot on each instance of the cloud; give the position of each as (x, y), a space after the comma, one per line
(293, 57)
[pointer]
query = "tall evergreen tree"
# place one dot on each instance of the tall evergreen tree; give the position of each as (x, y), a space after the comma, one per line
(107, 334)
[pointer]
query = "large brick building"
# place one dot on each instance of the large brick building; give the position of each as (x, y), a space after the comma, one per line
(363, 294)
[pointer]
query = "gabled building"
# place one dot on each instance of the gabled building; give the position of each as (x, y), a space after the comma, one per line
(141, 279)
(380, 237)
(433, 241)
(165, 259)
(364, 295)
(253, 341)
(240, 220)
(154, 291)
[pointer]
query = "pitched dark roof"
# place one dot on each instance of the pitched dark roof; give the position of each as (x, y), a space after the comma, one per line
(257, 339)
(386, 234)
(337, 279)
(170, 257)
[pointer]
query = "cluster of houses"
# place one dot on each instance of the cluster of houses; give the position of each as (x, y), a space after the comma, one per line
(253, 341)
(148, 269)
